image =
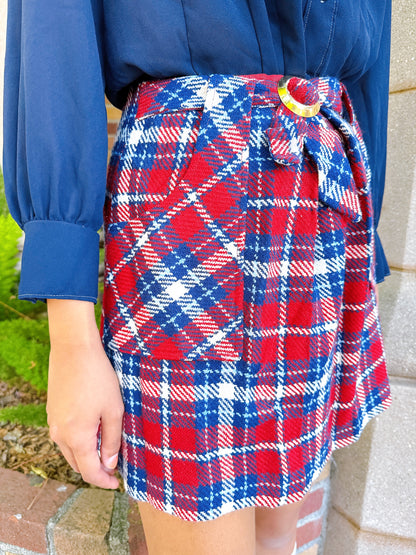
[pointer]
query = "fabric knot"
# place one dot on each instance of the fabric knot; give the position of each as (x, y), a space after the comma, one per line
(303, 91)
(286, 137)
(332, 94)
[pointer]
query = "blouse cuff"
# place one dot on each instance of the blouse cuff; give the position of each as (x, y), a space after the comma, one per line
(59, 261)
(382, 267)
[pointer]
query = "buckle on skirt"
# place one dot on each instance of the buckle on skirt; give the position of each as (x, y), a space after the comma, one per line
(305, 110)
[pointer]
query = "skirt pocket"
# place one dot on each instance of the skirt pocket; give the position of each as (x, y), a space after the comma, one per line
(149, 158)
(174, 236)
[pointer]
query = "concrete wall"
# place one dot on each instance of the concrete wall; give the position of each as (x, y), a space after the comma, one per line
(374, 481)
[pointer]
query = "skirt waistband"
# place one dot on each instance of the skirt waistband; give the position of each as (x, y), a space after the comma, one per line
(193, 91)
(332, 138)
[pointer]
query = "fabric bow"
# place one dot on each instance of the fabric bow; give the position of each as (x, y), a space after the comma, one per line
(330, 141)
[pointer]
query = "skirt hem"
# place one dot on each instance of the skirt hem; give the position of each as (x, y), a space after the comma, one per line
(258, 501)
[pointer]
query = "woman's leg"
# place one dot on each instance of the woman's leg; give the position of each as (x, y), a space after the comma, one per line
(276, 529)
(231, 534)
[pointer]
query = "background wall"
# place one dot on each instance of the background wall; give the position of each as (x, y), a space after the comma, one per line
(373, 482)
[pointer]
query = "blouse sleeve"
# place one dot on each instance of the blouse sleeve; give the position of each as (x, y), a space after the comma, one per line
(55, 144)
(370, 95)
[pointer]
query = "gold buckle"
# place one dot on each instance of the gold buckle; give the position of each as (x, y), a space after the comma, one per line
(307, 111)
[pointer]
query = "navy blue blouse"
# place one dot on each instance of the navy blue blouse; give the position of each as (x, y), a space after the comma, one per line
(62, 56)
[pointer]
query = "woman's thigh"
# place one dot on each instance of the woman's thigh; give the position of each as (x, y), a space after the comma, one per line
(276, 528)
(231, 534)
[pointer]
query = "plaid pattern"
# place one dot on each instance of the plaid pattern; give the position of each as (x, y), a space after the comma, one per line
(239, 306)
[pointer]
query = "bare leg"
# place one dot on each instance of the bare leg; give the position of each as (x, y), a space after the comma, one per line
(276, 529)
(231, 534)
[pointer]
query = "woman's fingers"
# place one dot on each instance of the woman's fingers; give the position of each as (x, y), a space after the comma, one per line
(91, 469)
(80, 450)
(65, 450)
(69, 456)
(111, 426)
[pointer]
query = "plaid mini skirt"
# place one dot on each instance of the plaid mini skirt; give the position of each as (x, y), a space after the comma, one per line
(239, 307)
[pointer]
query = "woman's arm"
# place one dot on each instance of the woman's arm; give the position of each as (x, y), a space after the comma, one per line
(370, 97)
(83, 393)
(55, 157)
(55, 143)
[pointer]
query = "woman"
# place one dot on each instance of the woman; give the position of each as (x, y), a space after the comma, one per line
(241, 258)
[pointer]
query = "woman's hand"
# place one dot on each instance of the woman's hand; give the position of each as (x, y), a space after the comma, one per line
(83, 392)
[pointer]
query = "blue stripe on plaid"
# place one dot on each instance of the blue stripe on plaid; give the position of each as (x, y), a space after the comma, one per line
(239, 306)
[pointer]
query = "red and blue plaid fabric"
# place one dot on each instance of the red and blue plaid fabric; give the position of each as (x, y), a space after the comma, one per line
(239, 304)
